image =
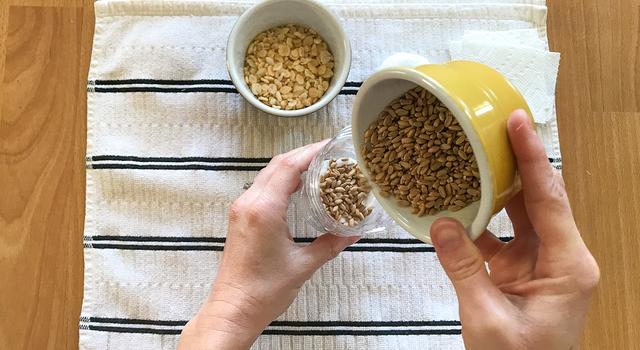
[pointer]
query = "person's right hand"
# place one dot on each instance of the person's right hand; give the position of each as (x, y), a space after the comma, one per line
(537, 293)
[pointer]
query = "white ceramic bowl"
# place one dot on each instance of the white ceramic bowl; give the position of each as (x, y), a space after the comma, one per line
(273, 13)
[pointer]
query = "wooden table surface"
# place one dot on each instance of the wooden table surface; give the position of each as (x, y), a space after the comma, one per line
(44, 55)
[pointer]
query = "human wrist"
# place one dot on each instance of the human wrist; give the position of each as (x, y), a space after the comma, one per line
(219, 325)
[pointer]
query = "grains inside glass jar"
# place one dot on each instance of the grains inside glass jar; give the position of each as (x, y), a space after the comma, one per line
(344, 192)
(288, 67)
(418, 153)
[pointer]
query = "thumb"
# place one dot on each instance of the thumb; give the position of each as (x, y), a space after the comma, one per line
(464, 264)
(323, 249)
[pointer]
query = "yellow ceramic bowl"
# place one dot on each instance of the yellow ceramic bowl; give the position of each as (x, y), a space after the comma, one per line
(482, 100)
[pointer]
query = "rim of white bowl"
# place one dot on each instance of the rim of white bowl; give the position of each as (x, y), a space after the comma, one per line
(484, 213)
(337, 82)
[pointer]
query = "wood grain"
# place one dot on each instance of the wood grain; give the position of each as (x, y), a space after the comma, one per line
(44, 56)
(42, 141)
(598, 104)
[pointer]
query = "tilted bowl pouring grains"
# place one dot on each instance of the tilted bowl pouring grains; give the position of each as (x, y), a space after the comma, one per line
(481, 100)
(417, 152)
(274, 13)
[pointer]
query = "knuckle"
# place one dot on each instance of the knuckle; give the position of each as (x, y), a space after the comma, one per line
(278, 159)
(465, 267)
(254, 215)
(236, 210)
(261, 173)
(557, 189)
(559, 179)
(288, 164)
(284, 163)
(251, 214)
(553, 195)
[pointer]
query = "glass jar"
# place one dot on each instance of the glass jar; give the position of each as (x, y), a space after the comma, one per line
(341, 146)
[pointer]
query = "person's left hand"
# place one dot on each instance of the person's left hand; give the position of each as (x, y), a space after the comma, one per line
(262, 268)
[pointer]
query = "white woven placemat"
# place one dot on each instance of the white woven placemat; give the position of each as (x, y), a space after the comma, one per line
(171, 144)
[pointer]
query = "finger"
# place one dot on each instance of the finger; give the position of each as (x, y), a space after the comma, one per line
(464, 264)
(323, 249)
(544, 196)
(262, 177)
(286, 179)
(265, 174)
(518, 215)
(488, 245)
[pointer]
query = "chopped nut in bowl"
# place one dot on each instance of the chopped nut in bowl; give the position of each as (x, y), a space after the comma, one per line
(288, 57)
(288, 67)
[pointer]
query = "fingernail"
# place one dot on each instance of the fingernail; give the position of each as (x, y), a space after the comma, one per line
(526, 123)
(354, 239)
(446, 236)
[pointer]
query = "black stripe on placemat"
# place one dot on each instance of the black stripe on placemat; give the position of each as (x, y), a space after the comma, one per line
(112, 329)
(104, 82)
(110, 157)
(162, 82)
(175, 167)
(439, 323)
(357, 332)
(158, 247)
(155, 247)
(284, 323)
(186, 86)
(329, 332)
(141, 243)
(183, 90)
(164, 89)
(155, 239)
(369, 240)
(390, 249)
(402, 327)
(223, 239)
(136, 321)
(95, 242)
(113, 162)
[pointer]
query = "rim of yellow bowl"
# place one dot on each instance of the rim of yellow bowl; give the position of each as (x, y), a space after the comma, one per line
(481, 220)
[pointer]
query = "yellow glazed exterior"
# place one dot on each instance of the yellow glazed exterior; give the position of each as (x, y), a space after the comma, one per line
(482, 100)
(487, 99)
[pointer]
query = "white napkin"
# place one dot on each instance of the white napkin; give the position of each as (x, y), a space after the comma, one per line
(521, 56)
(171, 144)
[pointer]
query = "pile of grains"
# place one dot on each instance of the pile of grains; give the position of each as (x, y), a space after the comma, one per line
(417, 152)
(288, 67)
(344, 192)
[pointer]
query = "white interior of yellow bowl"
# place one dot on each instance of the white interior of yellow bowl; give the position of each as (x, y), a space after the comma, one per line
(374, 95)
